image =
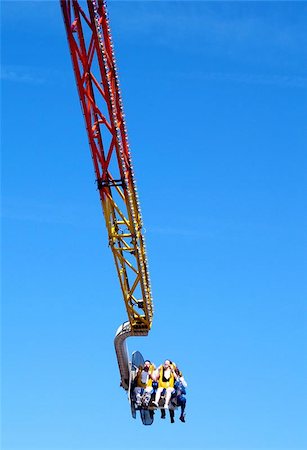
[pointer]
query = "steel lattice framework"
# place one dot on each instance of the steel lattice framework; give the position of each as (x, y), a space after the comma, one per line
(91, 48)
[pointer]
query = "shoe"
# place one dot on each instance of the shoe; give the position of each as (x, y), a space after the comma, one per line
(138, 400)
(172, 420)
(182, 418)
(146, 400)
(163, 414)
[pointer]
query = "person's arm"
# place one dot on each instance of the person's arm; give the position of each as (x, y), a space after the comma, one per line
(156, 373)
(184, 383)
(175, 375)
(152, 372)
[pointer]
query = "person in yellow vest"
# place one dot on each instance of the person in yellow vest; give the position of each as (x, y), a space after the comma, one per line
(166, 376)
(143, 381)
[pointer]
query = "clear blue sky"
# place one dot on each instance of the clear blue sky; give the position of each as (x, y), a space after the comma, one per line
(215, 99)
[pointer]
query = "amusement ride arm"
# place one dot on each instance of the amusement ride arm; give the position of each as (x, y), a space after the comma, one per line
(91, 48)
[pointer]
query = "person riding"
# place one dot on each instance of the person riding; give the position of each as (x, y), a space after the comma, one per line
(165, 375)
(177, 398)
(178, 395)
(143, 382)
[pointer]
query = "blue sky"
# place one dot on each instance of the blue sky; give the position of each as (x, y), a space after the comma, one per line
(215, 100)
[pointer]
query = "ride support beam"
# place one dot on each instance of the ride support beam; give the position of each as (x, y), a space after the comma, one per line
(92, 54)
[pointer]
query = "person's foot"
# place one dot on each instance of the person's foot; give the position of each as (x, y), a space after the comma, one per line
(172, 420)
(182, 418)
(162, 414)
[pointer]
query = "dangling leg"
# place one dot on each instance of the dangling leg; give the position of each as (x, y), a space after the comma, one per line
(181, 401)
(158, 395)
(172, 415)
(147, 395)
(168, 396)
(138, 395)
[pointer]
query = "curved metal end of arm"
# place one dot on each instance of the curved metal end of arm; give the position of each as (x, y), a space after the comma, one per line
(122, 333)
